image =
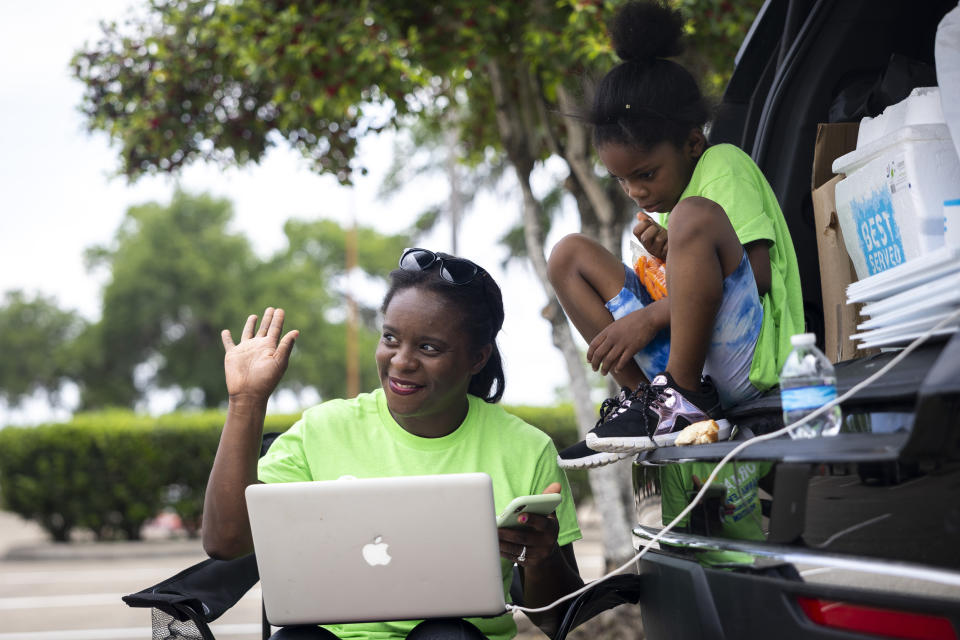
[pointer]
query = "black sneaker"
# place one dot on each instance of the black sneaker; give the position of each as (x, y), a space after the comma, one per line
(655, 414)
(580, 456)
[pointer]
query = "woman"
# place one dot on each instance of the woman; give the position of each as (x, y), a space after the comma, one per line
(440, 376)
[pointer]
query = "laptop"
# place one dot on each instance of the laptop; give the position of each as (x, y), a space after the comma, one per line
(377, 549)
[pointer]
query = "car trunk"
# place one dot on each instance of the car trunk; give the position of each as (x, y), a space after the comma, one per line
(867, 522)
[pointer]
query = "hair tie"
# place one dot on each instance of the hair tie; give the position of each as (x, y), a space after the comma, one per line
(642, 111)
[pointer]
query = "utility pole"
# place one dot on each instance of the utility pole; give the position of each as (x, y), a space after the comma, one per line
(353, 362)
(453, 177)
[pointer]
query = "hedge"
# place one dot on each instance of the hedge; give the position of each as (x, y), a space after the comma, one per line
(111, 471)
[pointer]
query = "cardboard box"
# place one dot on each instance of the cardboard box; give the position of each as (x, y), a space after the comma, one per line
(836, 272)
(836, 269)
(833, 141)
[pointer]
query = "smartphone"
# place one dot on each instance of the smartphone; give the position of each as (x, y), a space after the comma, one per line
(542, 504)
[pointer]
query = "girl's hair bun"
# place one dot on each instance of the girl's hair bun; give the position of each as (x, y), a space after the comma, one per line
(643, 31)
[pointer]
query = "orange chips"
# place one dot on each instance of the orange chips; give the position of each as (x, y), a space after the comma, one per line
(653, 275)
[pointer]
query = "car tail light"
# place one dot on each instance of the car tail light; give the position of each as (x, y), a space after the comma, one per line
(889, 623)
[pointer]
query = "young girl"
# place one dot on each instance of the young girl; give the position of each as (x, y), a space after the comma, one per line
(734, 300)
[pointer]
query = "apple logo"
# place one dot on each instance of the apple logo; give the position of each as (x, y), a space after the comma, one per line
(375, 552)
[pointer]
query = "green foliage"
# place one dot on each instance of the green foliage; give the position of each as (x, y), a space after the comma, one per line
(110, 471)
(103, 477)
(307, 280)
(218, 82)
(174, 275)
(178, 277)
(714, 30)
(202, 80)
(36, 340)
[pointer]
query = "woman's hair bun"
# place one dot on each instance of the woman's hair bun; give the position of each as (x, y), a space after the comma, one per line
(646, 30)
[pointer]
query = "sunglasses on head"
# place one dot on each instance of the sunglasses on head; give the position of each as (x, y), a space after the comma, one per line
(453, 270)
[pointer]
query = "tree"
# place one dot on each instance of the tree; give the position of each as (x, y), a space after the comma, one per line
(308, 277)
(200, 80)
(36, 338)
(178, 277)
(174, 283)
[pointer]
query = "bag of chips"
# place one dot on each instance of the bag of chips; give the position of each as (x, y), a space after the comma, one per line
(651, 271)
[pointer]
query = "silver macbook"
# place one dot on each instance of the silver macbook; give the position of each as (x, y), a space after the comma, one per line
(361, 550)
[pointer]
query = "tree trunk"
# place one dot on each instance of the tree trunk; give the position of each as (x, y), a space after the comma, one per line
(606, 483)
(578, 157)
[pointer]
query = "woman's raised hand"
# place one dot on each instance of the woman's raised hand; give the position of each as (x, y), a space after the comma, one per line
(254, 367)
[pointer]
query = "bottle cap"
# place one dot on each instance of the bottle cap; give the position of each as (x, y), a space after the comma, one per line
(803, 340)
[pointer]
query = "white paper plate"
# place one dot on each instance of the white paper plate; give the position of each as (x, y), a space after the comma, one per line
(919, 309)
(919, 325)
(945, 289)
(902, 338)
(912, 273)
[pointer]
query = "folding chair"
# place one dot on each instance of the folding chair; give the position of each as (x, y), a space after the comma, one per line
(185, 604)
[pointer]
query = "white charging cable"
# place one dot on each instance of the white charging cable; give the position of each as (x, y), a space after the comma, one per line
(736, 450)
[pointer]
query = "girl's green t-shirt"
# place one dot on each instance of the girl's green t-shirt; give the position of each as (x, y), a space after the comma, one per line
(729, 177)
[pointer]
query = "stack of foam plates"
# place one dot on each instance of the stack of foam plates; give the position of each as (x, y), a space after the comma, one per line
(908, 300)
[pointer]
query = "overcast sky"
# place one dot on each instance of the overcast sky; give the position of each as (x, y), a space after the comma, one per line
(58, 197)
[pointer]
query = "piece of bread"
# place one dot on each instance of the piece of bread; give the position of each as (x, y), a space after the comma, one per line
(703, 432)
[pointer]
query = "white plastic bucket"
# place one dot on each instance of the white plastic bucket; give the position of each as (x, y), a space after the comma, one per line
(890, 205)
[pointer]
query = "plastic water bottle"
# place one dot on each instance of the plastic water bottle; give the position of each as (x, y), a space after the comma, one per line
(807, 382)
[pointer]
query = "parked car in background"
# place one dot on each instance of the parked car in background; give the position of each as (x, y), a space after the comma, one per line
(853, 536)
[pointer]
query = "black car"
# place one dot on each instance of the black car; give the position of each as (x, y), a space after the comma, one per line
(857, 535)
